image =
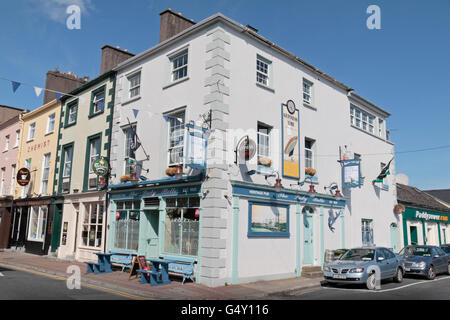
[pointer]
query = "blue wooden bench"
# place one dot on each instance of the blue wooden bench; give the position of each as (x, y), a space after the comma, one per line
(150, 276)
(93, 267)
(182, 266)
(122, 257)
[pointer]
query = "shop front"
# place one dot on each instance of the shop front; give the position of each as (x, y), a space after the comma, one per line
(277, 232)
(425, 227)
(6, 205)
(156, 220)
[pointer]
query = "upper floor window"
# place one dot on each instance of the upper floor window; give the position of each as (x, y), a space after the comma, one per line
(134, 85)
(176, 138)
(362, 120)
(309, 153)
(179, 65)
(6, 142)
(130, 145)
(67, 166)
(381, 128)
(17, 138)
(98, 102)
(263, 141)
(31, 131)
(50, 123)
(45, 173)
(94, 150)
(263, 71)
(307, 92)
(72, 110)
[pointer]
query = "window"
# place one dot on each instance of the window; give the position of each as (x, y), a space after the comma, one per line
(45, 173)
(51, 123)
(66, 171)
(13, 179)
(38, 223)
(17, 138)
(309, 153)
(263, 141)
(129, 151)
(31, 130)
(179, 65)
(362, 119)
(263, 70)
(94, 153)
(6, 143)
(182, 226)
(98, 102)
(2, 182)
(127, 225)
(92, 229)
(134, 85)
(176, 139)
(380, 128)
(307, 91)
(367, 232)
(67, 167)
(72, 109)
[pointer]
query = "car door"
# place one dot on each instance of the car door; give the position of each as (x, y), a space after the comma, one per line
(382, 264)
(443, 259)
(391, 263)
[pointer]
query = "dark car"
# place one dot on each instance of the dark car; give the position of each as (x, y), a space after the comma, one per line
(425, 261)
(446, 248)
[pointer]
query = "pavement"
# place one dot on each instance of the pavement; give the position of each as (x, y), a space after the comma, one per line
(119, 282)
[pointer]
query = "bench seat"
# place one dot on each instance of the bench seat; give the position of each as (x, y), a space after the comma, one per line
(154, 276)
(93, 267)
(122, 257)
(181, 265)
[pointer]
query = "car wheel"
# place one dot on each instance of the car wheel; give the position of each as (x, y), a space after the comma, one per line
(431, 273)
(399, 276)
(371, 282)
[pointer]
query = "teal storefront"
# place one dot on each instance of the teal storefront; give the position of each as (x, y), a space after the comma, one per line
(156, 218)
(425, 227)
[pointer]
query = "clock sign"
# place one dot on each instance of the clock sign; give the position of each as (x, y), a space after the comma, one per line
(290, 106)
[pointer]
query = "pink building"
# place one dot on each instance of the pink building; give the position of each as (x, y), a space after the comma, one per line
(9, 149)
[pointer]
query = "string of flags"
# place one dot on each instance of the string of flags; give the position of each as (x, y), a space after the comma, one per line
(37, 90)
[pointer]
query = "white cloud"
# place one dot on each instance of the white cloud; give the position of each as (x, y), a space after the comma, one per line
(56, 9)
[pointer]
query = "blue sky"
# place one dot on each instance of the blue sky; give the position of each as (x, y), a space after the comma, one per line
(403, 68)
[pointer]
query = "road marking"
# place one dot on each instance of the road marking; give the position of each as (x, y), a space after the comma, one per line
(1, 274)
(92, 286)
(386, 290)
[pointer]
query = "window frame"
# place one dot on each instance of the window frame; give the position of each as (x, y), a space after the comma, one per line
(128, 129)
(31, 129)
(62, 177)
(88, 173)
(309, 102)
(268, 74)
(367, 227)
(40, 235)
(73, 104)
(130, 88)
(17, 138)
(88, 211)
(41, 191)
(94, 101)
(175, 56)
(121, 210)
(49, 121)
(262, 126)
(173, 116)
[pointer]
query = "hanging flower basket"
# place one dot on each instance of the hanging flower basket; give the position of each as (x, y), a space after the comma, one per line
(171, 171)
(125, 178)
(265, 162)
(310, 171)
(399, 208)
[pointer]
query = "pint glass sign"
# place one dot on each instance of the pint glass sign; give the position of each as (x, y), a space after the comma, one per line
(23, 177)
(290, 142)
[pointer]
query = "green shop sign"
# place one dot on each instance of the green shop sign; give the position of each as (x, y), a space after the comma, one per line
(100, 167)
(417, 214)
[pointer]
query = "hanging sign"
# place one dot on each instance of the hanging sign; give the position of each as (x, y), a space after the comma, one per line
(245, 150)
(196, 147)
(23, 177)
(290, 140)
(100, 167)
(351, 173)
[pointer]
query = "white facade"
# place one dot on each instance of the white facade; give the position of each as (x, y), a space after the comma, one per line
(221, 76)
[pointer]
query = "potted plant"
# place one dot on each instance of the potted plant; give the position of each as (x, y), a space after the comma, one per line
(125, 178)
(310, 171)
(171, 171)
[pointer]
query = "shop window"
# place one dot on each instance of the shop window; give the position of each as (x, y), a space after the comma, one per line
(93, 225)
(127, 225)
(38, 223)
(182, 226)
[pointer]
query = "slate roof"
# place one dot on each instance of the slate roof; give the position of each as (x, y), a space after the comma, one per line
(418, 198)
(443, 194)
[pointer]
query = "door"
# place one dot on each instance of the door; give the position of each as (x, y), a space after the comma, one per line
(152, 234)
(391, 263)
(56, 232)
(308, 236)
(383, 264)
(413, 233)
(394, 237)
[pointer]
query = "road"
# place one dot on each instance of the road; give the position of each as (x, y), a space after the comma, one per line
(412, 288)
(16, 284)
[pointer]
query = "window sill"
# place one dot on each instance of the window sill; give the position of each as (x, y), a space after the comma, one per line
(371, 134)
(131, 100)
(95, 114)
(67, 125)
(265, 87)
(29, 140)
(309, 105)
(176, 82)
(49, 133)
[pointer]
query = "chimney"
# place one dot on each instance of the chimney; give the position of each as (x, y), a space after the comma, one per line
(113, 56)
(172, 23)
(60, 82)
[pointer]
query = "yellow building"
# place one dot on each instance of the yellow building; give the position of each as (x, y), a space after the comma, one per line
(33, 216)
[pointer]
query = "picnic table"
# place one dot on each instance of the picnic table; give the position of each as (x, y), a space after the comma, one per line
(163, 265)
(102, 266)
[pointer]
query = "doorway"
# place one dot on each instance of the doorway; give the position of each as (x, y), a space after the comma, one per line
(413, 233)
(308, 236)
(152, 234)
(394, 237)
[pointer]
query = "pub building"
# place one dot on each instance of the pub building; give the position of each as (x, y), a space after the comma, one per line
(425, 220)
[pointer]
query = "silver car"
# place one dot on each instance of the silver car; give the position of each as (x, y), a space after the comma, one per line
(359, 265)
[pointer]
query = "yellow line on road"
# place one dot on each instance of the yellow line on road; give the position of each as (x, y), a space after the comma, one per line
(93, 286)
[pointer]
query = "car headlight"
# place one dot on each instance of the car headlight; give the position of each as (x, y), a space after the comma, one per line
(419, 264)
(356, 270)
(327, 269)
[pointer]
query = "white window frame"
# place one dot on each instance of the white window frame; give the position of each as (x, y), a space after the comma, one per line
(40, 234)
(263, 71)
(31, 129)
(26, 188)
(67, 162)
(13, 178)
(17, 138)
(94, 156)
(44, 180)
(86, 222)
(96, 102)
(2, 181)
(6, 143)
(50, 121)
(310, 94)
(264, 142)
(72, 114)
(312, 159)
(128, 130)
(136, 86)
(365, 121)
(172, 118)
(182, 56)
(367, 227)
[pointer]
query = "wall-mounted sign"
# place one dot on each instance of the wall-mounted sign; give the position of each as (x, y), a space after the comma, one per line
(196, 147)
(245, 149)
(23, 177)
(290, 140)
(351, 177)
(100, 167)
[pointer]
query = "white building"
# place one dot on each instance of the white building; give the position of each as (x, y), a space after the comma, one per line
(219, 67)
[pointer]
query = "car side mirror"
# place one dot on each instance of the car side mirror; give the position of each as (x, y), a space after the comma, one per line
(380, 259)
(436, 256)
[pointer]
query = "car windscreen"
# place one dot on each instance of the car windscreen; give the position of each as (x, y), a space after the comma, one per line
(359, 255)
(417, 251)
(446, 249)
